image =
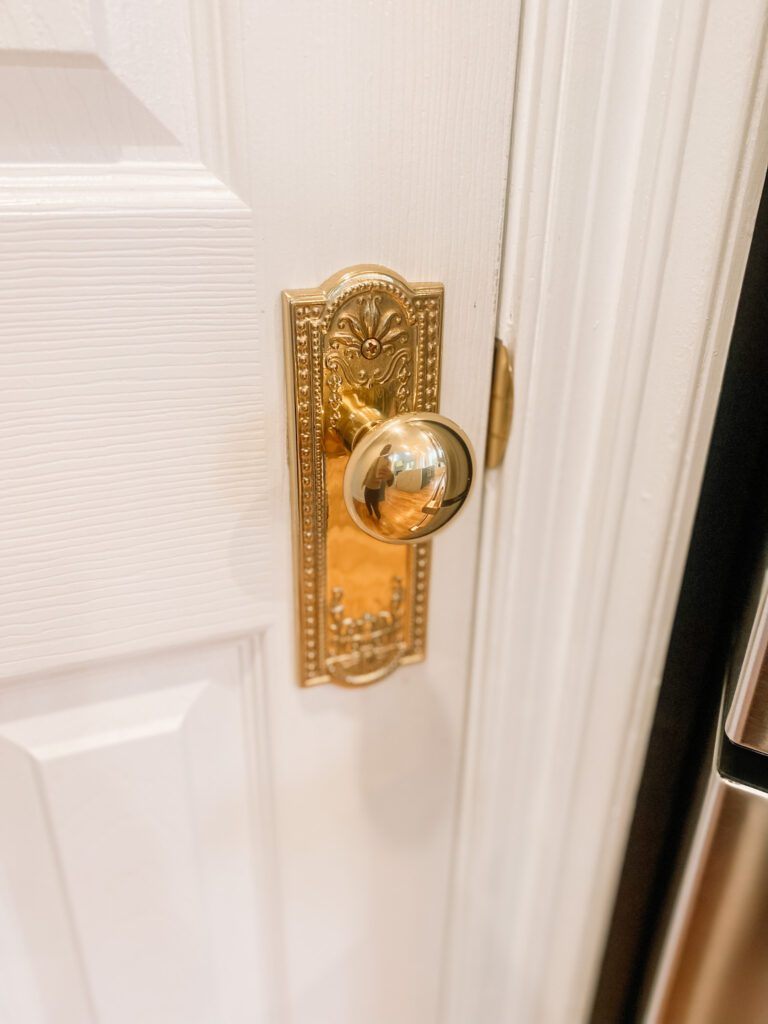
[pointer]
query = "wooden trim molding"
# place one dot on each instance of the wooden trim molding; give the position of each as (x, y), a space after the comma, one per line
(639, 151)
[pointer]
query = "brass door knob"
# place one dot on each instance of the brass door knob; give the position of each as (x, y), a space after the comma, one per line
(407, 476)
(371, 459)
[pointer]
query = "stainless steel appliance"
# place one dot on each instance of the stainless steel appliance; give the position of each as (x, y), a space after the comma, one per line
(714, 963)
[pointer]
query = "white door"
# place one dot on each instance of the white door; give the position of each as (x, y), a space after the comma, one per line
(186, 836)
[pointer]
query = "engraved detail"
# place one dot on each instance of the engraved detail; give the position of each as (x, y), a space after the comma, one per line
(430, 327)
(367, 332)
(419, 589)
(370, 331)
(369, 341)
(370, 645)
(309, 395)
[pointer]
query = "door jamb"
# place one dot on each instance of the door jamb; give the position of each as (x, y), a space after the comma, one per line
(640, 143)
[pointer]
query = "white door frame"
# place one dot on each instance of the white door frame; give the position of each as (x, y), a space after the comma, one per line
(639, 150)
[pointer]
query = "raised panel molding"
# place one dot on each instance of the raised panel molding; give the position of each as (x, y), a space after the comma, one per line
(639, 151)
(132, 886)
(59, 108)
(97, 83)
(88, 87)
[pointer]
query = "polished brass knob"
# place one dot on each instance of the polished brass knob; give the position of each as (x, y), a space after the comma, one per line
(371, 459)
(407, 476)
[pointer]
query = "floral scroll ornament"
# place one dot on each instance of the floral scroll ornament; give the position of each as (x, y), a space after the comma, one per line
(367, 333)
(368, 347)
(367, 644)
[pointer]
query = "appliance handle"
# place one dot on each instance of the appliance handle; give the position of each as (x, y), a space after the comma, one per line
(747, 720)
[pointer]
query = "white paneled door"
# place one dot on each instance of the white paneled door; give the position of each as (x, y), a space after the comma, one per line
(186, 836)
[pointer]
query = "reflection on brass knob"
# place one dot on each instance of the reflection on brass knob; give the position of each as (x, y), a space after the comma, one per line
(408, 476)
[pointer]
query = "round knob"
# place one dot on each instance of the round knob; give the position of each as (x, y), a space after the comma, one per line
(408, 476)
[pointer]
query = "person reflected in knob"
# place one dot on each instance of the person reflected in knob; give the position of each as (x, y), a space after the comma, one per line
(377, 479)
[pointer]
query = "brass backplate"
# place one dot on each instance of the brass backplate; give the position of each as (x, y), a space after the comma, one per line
(364, 339)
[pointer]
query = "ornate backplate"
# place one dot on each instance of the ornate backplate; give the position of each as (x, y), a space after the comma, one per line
(366, 339)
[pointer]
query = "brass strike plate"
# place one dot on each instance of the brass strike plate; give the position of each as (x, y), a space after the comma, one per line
(365, 340)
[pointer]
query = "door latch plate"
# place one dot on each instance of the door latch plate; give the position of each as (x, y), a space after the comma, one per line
(365, 338)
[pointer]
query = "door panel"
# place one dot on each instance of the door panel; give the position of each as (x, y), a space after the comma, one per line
(127, 811)
(167, 170)
(132, 451)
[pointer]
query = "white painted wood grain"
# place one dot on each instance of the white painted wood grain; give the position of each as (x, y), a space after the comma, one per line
(638, 154)
(132, 452)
